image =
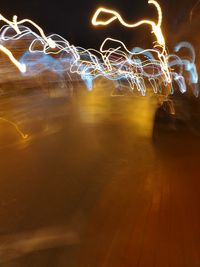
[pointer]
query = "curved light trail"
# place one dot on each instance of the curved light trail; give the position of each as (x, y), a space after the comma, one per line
(142, 68)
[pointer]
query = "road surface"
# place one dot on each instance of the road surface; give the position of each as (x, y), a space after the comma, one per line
(91, 187)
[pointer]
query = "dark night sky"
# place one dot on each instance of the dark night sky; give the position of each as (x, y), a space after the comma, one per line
(71, 19)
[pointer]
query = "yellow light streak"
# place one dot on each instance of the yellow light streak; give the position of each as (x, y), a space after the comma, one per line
(15, 25)
(156, 29)
(21, 67)
(24, 136)
(50, 42)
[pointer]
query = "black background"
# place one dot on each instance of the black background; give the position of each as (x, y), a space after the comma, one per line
(71, 19)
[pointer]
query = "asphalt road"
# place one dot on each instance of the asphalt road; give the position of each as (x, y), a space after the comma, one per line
(98, 183)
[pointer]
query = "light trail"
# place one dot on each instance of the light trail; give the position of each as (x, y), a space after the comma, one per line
(156, 29)
(21, 67)
(153, 68)
(15, 25)
(23, 135)
(142, 68)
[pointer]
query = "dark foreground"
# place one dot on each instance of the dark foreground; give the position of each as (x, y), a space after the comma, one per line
(91, 187)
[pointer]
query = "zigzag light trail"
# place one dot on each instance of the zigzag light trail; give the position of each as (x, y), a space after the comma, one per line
(19, 131)
(156, 29)
(138, 66)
